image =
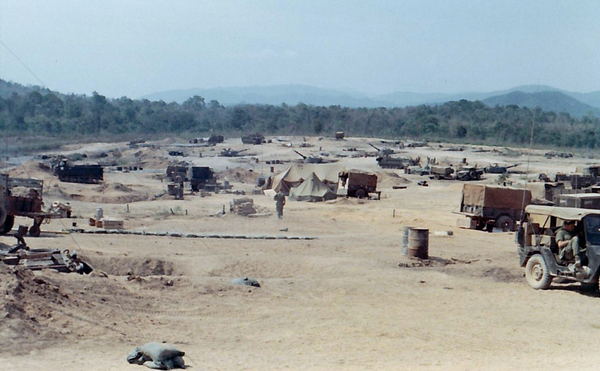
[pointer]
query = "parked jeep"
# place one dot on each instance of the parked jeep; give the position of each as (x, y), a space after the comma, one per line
(539, 252)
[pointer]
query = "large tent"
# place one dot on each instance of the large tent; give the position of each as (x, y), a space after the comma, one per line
(312, 189)
(294, 175)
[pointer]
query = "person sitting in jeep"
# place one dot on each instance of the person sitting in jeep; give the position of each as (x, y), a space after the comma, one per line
(570, 244)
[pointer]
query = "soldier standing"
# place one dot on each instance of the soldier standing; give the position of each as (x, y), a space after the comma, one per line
(279, 203)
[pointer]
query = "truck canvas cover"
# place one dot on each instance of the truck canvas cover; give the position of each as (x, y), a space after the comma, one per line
(494, 196)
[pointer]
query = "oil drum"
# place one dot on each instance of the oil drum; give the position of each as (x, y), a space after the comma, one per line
(418, 243)
(99, 213)
(405, 232)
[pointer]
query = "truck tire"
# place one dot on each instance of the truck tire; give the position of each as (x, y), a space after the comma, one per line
(8, 224)
(34, 230)
(2, 214)
(360, 193)
(505, 223)
(536, 273)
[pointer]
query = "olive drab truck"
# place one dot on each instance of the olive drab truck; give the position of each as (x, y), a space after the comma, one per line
(539, 252)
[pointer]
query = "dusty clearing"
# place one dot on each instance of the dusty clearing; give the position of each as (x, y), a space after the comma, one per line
(345, 300)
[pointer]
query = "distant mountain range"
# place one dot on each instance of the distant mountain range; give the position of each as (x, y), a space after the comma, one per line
(546, 97)
(546, 100)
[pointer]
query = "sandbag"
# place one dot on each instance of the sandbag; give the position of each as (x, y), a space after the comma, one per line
(159, 356)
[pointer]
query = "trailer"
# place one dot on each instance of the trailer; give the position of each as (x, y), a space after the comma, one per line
(493, 206)
(27, 203)
(357, 184)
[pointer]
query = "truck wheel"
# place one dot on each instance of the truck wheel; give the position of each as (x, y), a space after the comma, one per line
(360, 193)
(3, 214)
(505, 223)
(536, 273)
(8, 224)
(34, 231)
(589, 287)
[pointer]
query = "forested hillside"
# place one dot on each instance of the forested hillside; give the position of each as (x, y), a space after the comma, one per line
(41, 112)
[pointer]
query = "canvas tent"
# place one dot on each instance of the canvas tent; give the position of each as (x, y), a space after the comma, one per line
(312, 189)
(294, 175)
(287, 179)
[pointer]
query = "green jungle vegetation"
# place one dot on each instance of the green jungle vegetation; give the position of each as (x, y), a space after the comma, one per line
(34, 112)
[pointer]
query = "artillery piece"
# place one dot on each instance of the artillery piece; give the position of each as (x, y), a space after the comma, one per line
(497, 169)
(310, 159)
(385, 152)
(469, 173)
(228, 152)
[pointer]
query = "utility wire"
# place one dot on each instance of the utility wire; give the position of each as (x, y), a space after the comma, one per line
(22, 63)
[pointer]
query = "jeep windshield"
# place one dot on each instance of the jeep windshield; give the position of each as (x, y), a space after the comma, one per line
(592, 229)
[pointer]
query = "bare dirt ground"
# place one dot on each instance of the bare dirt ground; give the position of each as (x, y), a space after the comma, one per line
(345, 300)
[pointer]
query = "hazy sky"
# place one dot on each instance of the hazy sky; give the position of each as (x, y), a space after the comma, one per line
(135, 47)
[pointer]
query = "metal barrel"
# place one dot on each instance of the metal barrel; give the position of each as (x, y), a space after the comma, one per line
(99, 213)
(404, 250)
(418, 243)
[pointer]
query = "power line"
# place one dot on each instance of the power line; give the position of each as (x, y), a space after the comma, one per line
(22, 63)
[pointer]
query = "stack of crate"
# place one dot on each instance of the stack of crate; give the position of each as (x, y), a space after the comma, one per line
(242, 206)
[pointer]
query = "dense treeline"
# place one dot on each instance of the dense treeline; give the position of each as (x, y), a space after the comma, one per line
(41, 112)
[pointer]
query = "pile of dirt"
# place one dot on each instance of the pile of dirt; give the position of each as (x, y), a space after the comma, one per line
(388, 179)
(410, 262)
(33, 169)
(41, 308)
(238, 174)
(113, 187)
(123, 266)
(345, 201)
(26, 307)
(106, 193)
(116, 199)
(146, 157)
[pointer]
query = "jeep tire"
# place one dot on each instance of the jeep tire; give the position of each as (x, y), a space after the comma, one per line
(536, 273)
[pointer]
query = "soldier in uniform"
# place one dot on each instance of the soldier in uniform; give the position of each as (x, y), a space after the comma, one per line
(279, 203)
(569, 243)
